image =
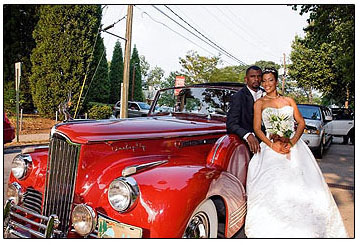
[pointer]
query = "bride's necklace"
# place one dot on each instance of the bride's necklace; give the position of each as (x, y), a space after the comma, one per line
(272, 97)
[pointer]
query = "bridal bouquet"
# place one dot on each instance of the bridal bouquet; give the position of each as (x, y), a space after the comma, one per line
(281, 129)
(281, 126)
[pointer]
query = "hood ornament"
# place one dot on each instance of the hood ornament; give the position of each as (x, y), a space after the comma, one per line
(63, 108)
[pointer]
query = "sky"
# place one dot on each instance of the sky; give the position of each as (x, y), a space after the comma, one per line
(247, 32)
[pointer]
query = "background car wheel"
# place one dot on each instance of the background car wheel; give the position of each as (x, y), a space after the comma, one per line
(319, 150)
(345, 139)
(203, 222)
(351, 135)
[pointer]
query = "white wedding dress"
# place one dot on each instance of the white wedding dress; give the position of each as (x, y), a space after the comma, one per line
(288, 196)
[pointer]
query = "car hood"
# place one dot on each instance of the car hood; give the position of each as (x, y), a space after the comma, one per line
(84, 132)
(314, 123)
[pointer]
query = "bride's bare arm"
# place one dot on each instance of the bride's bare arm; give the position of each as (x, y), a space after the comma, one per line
(299, 119)
(257, 121)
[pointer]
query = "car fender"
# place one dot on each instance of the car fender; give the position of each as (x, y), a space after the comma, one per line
(231, 155)
(164, 207)
(37, 170)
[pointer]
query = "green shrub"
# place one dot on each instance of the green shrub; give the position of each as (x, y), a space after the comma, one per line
(100, 112)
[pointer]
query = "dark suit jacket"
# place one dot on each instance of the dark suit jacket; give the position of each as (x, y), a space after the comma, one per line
(240, 114)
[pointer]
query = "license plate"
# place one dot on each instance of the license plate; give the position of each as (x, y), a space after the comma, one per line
(112, 229)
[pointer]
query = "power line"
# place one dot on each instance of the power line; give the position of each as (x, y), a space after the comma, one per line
(178, 33)
(239, 61)
(227, 26)
(230, 55)
(254, 35)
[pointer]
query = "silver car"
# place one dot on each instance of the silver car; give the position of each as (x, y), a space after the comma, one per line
(135, 109)
(317, 133)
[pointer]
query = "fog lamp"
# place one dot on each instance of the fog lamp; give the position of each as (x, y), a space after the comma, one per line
(83, 219)
(14, 193)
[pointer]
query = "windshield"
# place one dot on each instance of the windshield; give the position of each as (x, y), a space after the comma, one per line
(205, 101)
(143, 106)
(310, 112)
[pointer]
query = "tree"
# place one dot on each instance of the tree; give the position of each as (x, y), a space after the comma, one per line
(269, 64)
(313, 68)
(197, 68)
(155, 77)
(135, 94)
(144, 69)
(99, 90)
(228, 74)
(116, 73)
(19, 23)
(331, 31)
(64, 36)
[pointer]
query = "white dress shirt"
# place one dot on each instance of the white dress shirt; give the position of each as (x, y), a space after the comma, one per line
(256, 96)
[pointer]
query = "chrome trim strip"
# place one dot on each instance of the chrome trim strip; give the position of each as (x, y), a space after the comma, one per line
(9, 224)
(156, 138)
(27, 220)
(215, 151)
(30, 212)
(238, 209)
(238, 219)
(65, 137)
(238, 214)
(32, 149)
(17, 225)
(127, 171)
(18, 234)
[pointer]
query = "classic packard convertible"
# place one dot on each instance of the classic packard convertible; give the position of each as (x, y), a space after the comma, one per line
(172, 174)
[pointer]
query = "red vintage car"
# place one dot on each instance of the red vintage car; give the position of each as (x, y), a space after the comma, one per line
(8, 130)
(172, 174)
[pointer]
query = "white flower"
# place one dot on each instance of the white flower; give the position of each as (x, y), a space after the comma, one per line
(281, 125)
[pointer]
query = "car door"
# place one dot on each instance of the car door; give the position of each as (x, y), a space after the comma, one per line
(342, 122)
(133, 110)
(327, 119)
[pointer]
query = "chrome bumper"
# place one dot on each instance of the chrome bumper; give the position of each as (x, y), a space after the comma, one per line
(22, 226)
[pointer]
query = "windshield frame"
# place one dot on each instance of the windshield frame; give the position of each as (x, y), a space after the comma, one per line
(198, 86)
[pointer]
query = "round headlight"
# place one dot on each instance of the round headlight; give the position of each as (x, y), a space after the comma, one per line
(20, 166)
(14, 193)
(83, 219)
(122, 193)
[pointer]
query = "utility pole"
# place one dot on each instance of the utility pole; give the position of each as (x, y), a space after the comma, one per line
(124, 90)
(133, 82)
(284, 74)
(17, 88)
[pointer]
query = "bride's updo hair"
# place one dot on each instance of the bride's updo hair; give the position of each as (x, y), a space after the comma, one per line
(270, 70)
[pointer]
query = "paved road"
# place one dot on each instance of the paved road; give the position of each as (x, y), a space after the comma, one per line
(337, 165)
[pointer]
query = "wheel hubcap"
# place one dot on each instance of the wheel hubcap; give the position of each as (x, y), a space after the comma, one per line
(198, 227)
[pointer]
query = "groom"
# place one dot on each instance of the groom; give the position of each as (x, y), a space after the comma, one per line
(240, 114)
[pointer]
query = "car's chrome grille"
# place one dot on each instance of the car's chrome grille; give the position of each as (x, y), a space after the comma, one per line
(60, 180)
(32, 200)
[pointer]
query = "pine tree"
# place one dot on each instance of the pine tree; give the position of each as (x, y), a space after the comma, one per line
(137, 93)
(19, 23)
(116, 73)
(64, 36)
(99, 88)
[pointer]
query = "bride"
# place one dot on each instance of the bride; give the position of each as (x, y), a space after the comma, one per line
(287, 194)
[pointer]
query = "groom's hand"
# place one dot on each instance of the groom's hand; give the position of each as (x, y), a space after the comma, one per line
(253, 144)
